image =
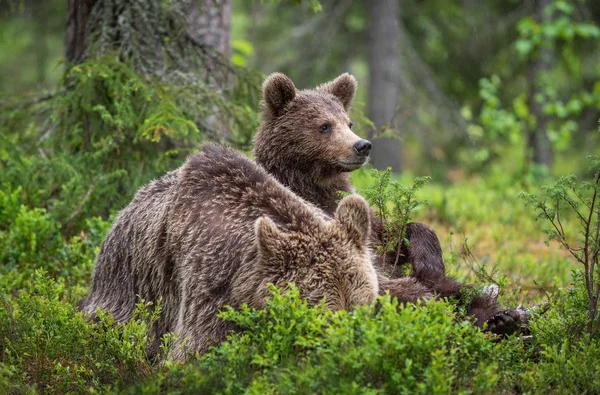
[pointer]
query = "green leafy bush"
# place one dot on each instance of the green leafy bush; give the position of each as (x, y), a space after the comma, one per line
(292, 347)
(565, 358)
(108, 130)
(511, 112)
(31, 239)
(47, 345)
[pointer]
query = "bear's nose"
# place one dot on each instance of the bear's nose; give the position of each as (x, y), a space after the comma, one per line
(362, 147)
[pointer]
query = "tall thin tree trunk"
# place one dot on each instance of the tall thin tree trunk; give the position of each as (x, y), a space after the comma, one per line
(40, 46)
(209, 22)
(539, 148)
(78, 13)
(383, 58)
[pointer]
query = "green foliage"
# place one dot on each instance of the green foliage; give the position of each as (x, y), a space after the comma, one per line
(101, 97)
(31, 239)
(73, 187)
(567, 357)
(315, 5)
(559, 32)
(566, 319)
(560, 28)
(49, 346)
(508, 114)
(393, 204)
(567, 196)
(291, 347)
(567, 369)
(113, 132)
(497, 124)
(144, 95)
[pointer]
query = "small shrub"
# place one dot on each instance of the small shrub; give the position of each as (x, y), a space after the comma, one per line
(31, 239)
(568, 197)
(393, 204)
(566, 358)
(48, 345)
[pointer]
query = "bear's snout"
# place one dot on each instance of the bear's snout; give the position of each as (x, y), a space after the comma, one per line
(362, 148)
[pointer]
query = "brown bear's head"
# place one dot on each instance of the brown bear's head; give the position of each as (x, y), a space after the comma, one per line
(309, 130)
(329, 259)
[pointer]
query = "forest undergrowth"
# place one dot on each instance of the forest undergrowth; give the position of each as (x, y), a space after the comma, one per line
(487, 233)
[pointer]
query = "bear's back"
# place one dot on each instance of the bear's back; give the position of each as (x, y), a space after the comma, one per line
(215, 203)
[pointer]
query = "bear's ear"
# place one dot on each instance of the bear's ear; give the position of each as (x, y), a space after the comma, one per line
(343, 87)
(278, 90)
(354, 215)
(270, 240)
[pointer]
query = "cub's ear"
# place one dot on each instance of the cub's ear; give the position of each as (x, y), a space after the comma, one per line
(269, 238)
(343, 87)
(278, 90)
(354, 215)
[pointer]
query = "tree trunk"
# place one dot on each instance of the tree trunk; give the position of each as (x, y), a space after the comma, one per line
(209, 22)
(40, 46)
(383, 59)
(539, 148)
(78, 12)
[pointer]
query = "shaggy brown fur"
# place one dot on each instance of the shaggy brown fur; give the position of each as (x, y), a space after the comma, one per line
(316, 164)
(306, 142)
(214, 233)
(135, 259)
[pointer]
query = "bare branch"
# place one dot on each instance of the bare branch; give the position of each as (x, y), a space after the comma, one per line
(590, 265)
(574, 207)
(562, 231)
(561, 239)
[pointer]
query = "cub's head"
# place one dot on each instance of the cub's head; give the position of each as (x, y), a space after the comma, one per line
(309, 130)
(330, 260)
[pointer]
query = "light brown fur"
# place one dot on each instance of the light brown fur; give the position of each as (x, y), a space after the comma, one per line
(215, 232)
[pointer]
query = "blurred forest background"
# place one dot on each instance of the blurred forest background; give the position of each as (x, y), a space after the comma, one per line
(452, 85)
(98, 97)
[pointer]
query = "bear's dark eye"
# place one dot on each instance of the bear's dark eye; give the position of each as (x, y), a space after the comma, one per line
(350, 125)
(325, 128)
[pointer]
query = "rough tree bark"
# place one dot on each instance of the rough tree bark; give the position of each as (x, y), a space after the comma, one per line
(78, 12)
(383, 58)
(209, 22)
(539, 148)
